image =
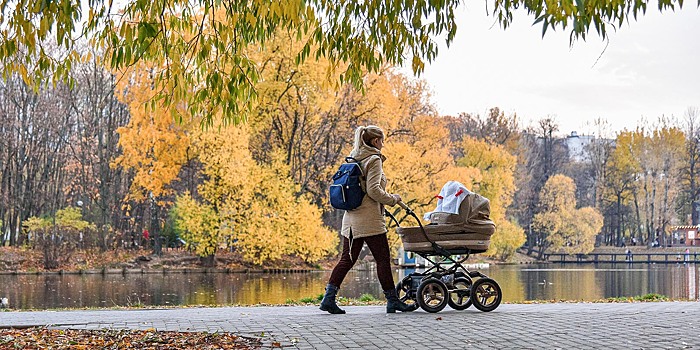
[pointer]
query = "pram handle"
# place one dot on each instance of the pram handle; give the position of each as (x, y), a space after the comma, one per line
(408, 210)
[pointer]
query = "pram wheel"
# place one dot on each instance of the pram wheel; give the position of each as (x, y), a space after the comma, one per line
(460, 297)
(486, 294)
(432, 295)
(403, 290)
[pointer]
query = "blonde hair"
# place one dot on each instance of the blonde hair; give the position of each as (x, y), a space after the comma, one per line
(365, 134)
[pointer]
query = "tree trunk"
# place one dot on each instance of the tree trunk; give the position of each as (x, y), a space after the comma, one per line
(207, 261)
(619, 218)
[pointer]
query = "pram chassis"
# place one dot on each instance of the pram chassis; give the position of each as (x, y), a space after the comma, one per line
(439, 286)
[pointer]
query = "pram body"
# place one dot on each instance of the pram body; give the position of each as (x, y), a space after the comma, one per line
(447, 242)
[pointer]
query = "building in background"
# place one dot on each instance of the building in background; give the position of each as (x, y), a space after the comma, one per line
(578, 146)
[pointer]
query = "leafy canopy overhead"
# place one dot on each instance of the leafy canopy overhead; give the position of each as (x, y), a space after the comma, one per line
(200, 49)
(580, 15)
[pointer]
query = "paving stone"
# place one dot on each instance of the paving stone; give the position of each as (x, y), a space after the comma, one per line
(671, 325)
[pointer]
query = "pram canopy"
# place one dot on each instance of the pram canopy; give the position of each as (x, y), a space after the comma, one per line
(464, 227)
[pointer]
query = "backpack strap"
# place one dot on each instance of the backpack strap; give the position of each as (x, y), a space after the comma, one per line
(363, 178)
(358, 161)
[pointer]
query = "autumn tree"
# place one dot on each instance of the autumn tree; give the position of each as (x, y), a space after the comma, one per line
(301, 116)
(55, 147)
(495, 166)
(540, 154)
(418, 161)
(483, 164)
(247, 206)
(560, 226)
(599, 151)
(278, 223)
(207, 221)
(655, 152)
(58, 236)
(93, 146)
(668, 147)
(36, 130)
(200, 47)
(622, 173)
(154, 146)
(690, 168)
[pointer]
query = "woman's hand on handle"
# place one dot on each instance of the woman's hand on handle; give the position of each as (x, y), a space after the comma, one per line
(403, 205)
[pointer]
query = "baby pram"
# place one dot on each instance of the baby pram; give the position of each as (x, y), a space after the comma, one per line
(447, 242)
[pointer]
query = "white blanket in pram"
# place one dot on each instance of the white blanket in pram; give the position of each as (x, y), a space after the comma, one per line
(451, 196)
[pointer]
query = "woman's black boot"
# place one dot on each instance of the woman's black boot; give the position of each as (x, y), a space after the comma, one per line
(328, 302)
(393, 303)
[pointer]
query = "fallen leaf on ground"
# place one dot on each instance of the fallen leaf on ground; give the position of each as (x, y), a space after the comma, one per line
(42, 338)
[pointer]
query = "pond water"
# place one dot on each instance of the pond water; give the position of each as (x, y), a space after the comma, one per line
(518, 283)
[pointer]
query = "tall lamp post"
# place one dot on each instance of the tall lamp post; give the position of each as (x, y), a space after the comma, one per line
(79, 203)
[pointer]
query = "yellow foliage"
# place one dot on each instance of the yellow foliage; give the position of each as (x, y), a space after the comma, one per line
(419, 163)
(641, 169)
(153, 144)
(313, 240)
(621, 169)
(277, 222)
(198, 224)
(589, 222)
(562, 227)
(558, 194)
(67, 218)
(250, 206)
(495, 167)
(223, 151)
(262, 236)
(507, 239)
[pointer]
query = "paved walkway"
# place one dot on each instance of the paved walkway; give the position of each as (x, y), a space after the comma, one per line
(668, 325)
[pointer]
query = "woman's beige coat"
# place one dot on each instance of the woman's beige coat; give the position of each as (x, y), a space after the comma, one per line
(368, 219)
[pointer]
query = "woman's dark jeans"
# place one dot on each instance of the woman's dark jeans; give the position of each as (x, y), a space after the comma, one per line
(379, 246)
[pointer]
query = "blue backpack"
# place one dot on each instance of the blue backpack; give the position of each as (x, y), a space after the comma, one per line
(346, 192)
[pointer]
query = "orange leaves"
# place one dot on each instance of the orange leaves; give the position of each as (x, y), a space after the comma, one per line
(496, 168)
(252, 206)
(41, 338)
(419, 160)
(494, 179)
(154, 145)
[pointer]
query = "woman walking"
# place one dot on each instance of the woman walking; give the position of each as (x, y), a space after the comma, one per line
(366, 224)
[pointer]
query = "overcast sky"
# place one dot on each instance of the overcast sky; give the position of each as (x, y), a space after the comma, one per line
(651, 67)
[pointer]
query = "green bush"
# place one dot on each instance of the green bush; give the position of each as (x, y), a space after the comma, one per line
(367, 297)
(651, 297)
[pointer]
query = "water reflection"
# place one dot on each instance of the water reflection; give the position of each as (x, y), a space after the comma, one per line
(518, 282)
(589, 282)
